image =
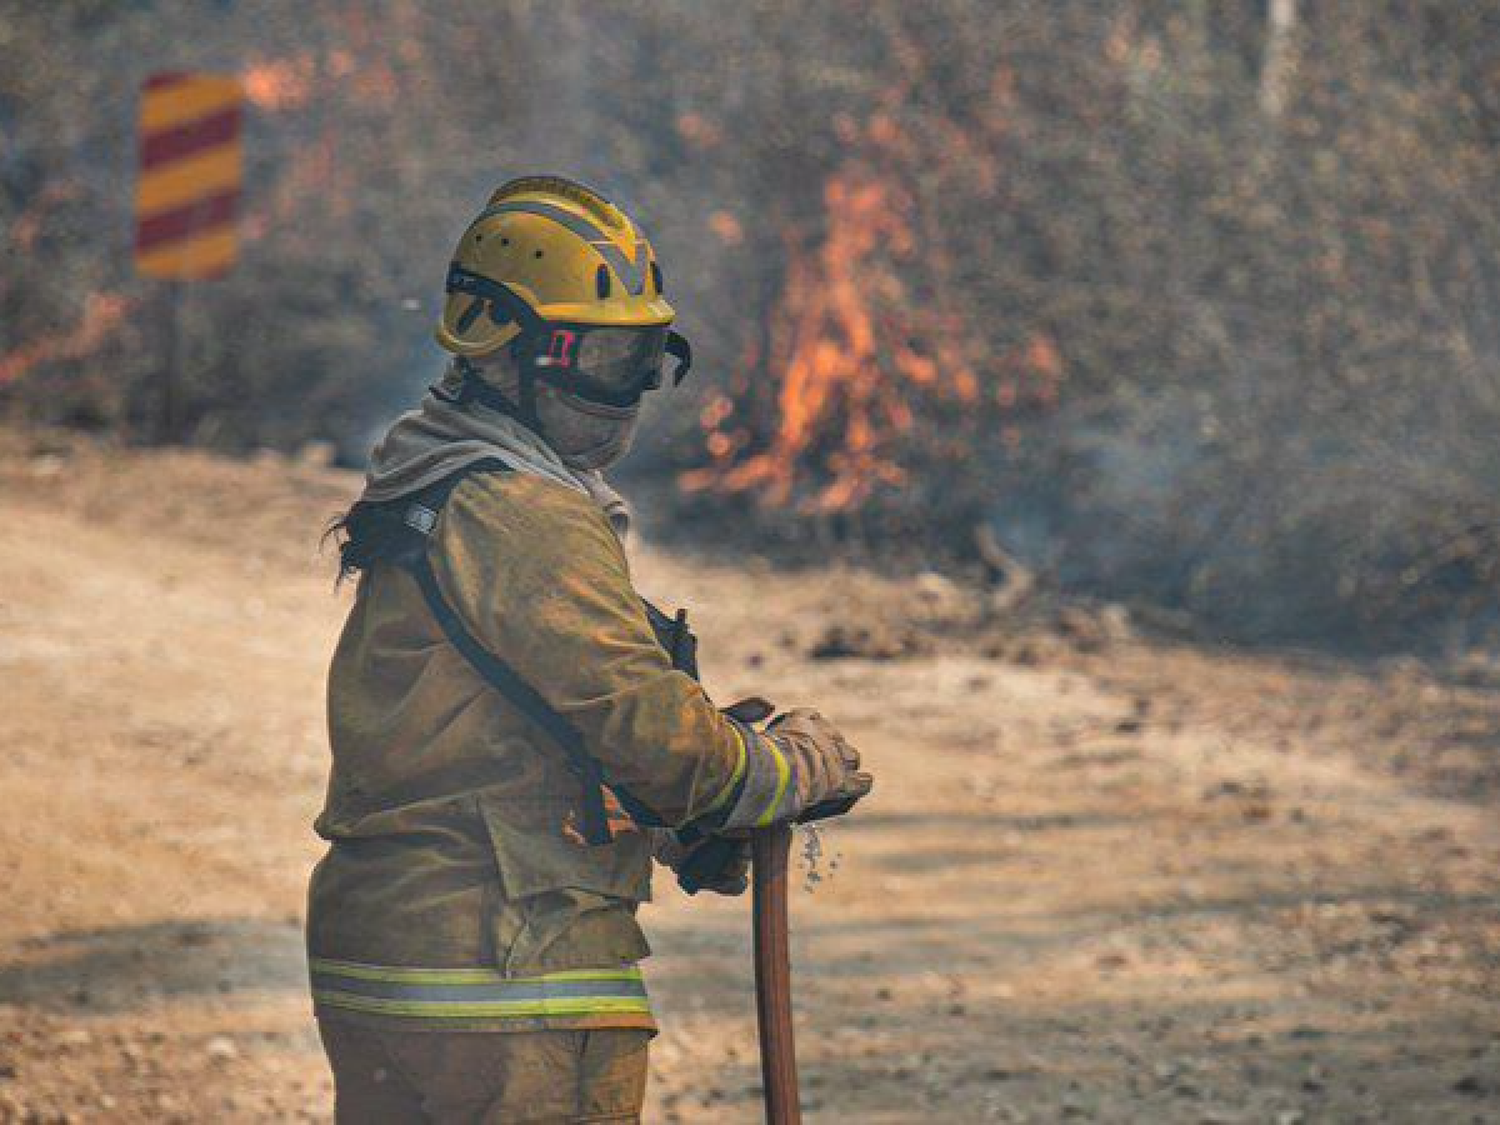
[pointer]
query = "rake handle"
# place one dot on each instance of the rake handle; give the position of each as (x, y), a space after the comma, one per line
(770, 849)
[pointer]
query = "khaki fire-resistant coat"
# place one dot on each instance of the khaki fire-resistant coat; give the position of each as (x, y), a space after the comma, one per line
(456, 891)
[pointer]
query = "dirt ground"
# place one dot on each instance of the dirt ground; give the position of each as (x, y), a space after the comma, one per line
(1102, 878)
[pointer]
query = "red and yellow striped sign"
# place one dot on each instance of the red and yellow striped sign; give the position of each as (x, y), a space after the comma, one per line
(191, 166)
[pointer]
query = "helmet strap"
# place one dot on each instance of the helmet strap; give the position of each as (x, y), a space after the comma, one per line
(504, 303)
(475, 388)
(528, 415)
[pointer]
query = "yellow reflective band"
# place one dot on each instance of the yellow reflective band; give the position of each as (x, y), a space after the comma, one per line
(783, 777)
(476, 993)
(484, 1009)
(413, 975)
(740, 764)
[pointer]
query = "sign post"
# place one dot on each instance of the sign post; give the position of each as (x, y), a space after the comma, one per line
(187, 200)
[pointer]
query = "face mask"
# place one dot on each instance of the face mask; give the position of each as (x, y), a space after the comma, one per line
(586, 435)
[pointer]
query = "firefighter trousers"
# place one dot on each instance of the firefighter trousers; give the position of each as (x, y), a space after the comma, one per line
(478, 1078)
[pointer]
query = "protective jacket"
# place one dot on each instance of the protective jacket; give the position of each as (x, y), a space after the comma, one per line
(459, 890)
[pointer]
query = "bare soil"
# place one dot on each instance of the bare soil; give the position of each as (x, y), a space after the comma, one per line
(1102, 878)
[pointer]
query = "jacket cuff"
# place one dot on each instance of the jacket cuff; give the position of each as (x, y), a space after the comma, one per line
(769, 792)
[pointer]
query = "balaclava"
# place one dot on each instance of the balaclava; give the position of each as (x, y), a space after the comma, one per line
(588, 436)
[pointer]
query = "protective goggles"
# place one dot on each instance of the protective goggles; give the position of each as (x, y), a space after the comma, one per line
(611, 365)
(602, 363)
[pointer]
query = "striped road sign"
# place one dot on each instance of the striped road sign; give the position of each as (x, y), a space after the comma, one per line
(191, 166)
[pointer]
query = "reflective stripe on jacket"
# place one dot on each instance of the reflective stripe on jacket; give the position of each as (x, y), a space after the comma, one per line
(452, 820)
(483, 993)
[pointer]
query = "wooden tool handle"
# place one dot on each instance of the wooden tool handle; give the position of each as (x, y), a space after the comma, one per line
(770, 848)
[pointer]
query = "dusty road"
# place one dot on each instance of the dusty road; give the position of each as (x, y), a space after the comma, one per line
(1121, 881)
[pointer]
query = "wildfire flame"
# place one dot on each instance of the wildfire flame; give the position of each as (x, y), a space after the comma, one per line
(279, 84)
(27, 228)
(367, 71)
(859, 357)
(877, 363)
(368, 74)
(102, 313)
(832, 370)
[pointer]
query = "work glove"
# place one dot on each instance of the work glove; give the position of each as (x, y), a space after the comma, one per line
(800, 762)
(709, 863)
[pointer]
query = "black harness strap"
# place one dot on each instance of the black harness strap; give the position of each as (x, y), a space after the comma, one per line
(421, 517)
(500, 676)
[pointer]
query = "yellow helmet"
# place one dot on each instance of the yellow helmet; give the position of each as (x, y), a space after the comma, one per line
(547, 249)
(557, 273)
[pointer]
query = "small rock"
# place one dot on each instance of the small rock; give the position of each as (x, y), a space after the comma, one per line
(1093, 629)
(317, 454)
(1472, 1085)
(841, 641)
(934, 587)
(1114, 618)
(221, 1049)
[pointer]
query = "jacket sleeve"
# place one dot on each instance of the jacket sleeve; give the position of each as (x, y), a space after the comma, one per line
(535, 572)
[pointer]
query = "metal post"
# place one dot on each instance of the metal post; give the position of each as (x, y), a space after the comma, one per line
(167, 421)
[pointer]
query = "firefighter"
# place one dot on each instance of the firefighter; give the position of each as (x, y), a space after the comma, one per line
(515, 732)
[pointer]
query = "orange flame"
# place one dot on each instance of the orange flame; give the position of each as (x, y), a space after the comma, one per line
(831, 355)
(866, 337)
(102, 314)
(315, 172)
(853, 350)
(860, 356)
(26, 230)
(279, 84)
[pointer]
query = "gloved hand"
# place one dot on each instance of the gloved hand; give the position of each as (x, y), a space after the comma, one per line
(728, 873)
(799, 761)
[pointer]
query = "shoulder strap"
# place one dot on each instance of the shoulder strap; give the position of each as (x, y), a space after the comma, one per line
(421, 516)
